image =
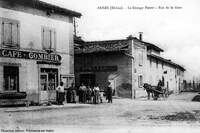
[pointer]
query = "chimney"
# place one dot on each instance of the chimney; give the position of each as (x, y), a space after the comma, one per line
(129, 37)
(140, 35)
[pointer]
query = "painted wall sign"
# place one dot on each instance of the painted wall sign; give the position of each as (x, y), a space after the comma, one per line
(30, 55)
(98, 69)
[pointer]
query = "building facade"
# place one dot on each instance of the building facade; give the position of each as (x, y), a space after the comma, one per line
(127, 64)
(36, 40)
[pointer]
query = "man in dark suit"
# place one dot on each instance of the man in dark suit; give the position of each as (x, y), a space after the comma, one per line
(109, 93)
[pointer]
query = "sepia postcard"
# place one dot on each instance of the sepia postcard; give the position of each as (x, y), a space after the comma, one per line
(99, 66)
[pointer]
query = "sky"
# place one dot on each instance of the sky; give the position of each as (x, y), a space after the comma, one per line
(177, 31)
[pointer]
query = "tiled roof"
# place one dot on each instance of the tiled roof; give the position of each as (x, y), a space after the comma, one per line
(103, 46)
(152, 46)
(149, 45)
(111, 45)
(166, 61)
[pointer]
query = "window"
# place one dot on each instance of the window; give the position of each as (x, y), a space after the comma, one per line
(140, 81)
(48, 39)
(140, 58)
(178, 72)
(11, 78)
(10, 32)
(156, 63)
(48, 79)
(67, 80)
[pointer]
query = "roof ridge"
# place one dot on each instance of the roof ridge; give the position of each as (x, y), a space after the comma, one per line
(106, 40)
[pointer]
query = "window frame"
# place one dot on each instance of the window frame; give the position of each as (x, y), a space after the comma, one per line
(4, 76)
(12, 22)
(52, 47)
(67, 80)
(140, 81)
(141, 61)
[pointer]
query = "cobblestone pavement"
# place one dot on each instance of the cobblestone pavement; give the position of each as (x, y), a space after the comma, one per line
(124, 115)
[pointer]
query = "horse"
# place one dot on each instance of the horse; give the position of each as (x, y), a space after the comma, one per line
(154, 90)
(149, 90)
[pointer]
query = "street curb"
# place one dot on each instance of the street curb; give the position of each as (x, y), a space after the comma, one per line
(44, 108)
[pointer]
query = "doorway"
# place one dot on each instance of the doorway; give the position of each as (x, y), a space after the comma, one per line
(48, 84)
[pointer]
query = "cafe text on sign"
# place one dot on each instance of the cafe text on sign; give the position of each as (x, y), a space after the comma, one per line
(30, 55)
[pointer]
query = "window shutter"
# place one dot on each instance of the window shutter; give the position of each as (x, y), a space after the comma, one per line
(46, 39)
(10, 32)
(43, 39)
(14, 34)
(7, 33)
(49, 38)
(53, 39)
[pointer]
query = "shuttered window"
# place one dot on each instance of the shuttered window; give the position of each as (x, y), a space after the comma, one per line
(140, 58)
(10, 32)
(140, 81)
(48, 39)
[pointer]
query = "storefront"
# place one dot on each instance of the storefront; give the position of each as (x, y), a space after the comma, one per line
(35, 55)
(36, 73)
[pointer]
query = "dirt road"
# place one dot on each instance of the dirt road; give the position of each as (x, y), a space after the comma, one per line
(124, 115)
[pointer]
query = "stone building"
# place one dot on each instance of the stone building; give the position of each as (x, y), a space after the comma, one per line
(36, 40)
(127, 64)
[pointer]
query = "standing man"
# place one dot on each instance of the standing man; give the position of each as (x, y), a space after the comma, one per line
(82, 90)
(109, 93)
(73, 93)
(69, 94)
(96, 94)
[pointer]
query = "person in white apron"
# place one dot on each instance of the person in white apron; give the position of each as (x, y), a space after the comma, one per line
(60, 93)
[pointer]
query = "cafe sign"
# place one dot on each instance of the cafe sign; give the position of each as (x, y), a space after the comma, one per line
(30, 55)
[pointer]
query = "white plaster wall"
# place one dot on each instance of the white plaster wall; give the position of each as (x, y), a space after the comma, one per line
(65, 67)
(140, 69)
(156, 73)
(27, 73)
(31, 26)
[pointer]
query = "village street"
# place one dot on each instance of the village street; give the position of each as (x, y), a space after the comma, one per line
(122, 115)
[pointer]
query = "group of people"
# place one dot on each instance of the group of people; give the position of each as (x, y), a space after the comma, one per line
(85, 94)
(90, 94)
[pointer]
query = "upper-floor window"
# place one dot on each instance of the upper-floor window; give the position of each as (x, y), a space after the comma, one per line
(48, 39)
(178, 72)
(140, 58)
(140, 81)
(10, 32)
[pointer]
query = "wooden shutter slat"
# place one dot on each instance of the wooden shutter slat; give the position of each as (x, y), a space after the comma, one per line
(14, 34)
(7, 32)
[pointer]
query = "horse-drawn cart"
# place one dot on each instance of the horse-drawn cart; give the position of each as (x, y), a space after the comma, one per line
(156, 91)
